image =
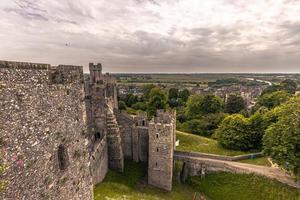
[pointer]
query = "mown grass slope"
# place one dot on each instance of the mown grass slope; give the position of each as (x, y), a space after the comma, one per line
(132, 185)
(196, 143)
(228, 186)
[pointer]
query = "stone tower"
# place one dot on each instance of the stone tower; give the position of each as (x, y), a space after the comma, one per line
(161, 149)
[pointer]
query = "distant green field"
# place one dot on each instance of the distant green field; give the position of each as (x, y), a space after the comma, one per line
(132, 185)
(191, 142)
(202, 77)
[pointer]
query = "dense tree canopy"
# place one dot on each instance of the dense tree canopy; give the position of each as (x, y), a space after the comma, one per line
(289, 86)
(271, 100)
(234, 104)
(184, 95)
(202, 105)
(241, 133)
(204, 125)
(173, 93)
(147, 89)
(233, 133)
(122, 105)
(282, 139)
(157, 100)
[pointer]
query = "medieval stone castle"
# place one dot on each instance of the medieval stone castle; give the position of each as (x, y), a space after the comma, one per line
(61, 131)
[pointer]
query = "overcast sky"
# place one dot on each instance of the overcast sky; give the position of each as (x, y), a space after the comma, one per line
(154, 35)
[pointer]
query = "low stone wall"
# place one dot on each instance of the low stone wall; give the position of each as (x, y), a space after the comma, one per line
(199, 166)
(219, 157)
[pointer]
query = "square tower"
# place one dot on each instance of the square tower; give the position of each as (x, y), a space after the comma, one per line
(161, 150)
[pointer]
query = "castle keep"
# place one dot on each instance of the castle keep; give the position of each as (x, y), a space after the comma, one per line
(61, 130)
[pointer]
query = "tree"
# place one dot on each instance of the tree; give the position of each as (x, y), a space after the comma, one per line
(282, 139)
(173, 103)
(205, 125)
(271, 100)
(193, 107)
(130, 99)
(173, 93)
(122, 105)
(212, 104)
(271, 89)
(234, 104)
(198, 105)
(147, 89)
(257, 124)
(289, 86)
(139, 106)
(232, 132)
(157, 100)
(184, 95)
(173, 98)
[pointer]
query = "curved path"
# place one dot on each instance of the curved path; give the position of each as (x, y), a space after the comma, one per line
(221, 165)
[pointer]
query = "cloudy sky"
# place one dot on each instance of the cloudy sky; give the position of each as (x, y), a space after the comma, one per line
(154, 35)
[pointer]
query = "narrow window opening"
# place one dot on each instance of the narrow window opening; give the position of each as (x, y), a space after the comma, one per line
(97, 136)
(62, 155)
(156, 164)
(143, 123)
(157, 149)
(157, 135)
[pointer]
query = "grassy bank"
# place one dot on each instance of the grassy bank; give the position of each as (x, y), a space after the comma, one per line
(228, 186)
(196, 143)
(132, 185)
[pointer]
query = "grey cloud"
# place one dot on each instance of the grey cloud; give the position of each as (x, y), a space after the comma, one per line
(29, 10)
(123, 35)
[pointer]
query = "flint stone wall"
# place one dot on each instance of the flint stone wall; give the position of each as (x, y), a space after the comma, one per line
(42, 111)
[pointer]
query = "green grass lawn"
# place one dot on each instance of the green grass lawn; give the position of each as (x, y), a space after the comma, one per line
(132, 185)
(228, 186)
(196, 143)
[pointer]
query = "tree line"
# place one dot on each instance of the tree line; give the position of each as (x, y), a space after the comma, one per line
(271, 126)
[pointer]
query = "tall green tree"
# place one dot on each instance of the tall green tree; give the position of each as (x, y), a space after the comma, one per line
(212, 104)
(157, 100)
(173, 98)
(147, 89)
(131, 99)
(184, 95)
(282, 139)
(233, 133)
(234, 104)
(198, 105)
(122, 105)
(173, 93)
